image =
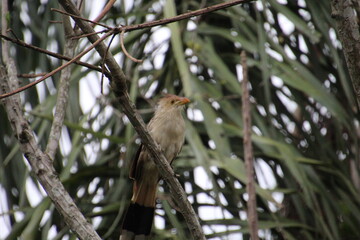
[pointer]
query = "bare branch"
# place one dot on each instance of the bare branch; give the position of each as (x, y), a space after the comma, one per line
(4, 12)
(86, 35)
(103, 64)
(165, 20)
(41, 163)
(53, 54)
(84, 19)
(29, 75)
(248, 153)
(106, 9)
(63, 92)
(57, 69)
(183, 16)
(124, 49)
(348, 31)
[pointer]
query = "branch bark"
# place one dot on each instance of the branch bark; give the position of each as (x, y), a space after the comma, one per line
(348, 31)
(52, 54)
(73, 60)
(119, 87)
(252, 216)
(63, 91)
(184, 15)
(40, 162)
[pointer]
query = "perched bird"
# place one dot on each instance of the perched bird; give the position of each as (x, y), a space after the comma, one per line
(167, 127)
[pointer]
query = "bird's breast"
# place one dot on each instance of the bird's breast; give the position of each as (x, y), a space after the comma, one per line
(169, 134)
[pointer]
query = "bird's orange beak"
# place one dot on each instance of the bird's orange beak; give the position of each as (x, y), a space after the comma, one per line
(183, 100)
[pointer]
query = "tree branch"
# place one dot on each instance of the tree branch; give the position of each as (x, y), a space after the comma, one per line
(183, 16)
(348, 30)
(63, 91)
(110, 31)
(40, 162)
(248, 154)
(73, 60)
(164, 21)
(105, 10)
(124, 49)
(52, 54)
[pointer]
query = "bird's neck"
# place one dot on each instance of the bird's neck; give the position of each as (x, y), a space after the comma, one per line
(168, 115)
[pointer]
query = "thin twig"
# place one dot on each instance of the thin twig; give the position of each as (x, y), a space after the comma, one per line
(165, 20)
(55, 22)
(57, 69)
(29, 75)
(86, 35)
(105, 10)
(248, 153)
(124, 49)
(52, 54)
(12, 33)
(103, 64)
(183, 16)
(84, 19)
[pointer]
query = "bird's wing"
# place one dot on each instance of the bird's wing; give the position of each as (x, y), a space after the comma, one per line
(176, 154)
(132, 173)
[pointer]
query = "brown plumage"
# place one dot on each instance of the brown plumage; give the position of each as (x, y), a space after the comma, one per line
(167, 127)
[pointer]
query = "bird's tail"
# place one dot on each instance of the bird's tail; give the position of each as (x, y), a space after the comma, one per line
(139, 216)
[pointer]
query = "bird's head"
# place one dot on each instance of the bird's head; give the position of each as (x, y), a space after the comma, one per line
(168, 114)
(169, 101)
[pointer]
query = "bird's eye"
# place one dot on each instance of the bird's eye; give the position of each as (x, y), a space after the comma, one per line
(172, 101)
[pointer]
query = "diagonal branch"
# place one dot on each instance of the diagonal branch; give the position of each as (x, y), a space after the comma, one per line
(73, 60)
(40, 162)
(183, 16)
(84, 19)
(52, 54)
(164, 20)
(105, 10)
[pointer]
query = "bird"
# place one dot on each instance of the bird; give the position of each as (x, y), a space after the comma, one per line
(167, 128)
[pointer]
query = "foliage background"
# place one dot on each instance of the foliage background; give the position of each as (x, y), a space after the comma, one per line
(305, 121)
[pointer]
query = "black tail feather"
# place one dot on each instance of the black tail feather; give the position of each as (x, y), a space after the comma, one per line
(138, 219)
